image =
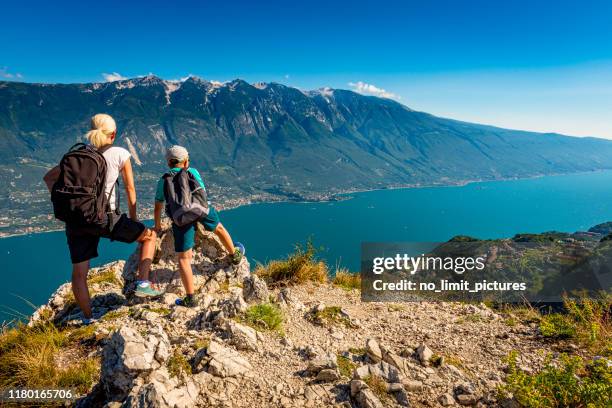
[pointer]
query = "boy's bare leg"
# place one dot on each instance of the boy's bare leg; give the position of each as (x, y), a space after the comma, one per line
(184, 260)
(225, 238)
(147, 251)
(79, 287)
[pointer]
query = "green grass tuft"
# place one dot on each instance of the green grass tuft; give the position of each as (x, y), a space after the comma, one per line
(331, 315)
(265, 316)
(345, 366)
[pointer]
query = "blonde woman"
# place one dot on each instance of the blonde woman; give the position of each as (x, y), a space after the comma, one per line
(83, 240)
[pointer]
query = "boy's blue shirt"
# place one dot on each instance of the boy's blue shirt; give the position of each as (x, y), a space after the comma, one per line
(159, 193)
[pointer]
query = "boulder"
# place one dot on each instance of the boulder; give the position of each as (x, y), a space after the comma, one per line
(424, 353)
(255, 289)
(366, 399)
(467, 399)
(243, 337)
(225, 362)
(356, 386)
(384, 370)
(373, 350)
(328, 361)
(234, 304)
(328, 375)
(412, 385)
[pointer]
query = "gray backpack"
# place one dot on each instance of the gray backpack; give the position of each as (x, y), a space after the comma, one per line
(186, 200)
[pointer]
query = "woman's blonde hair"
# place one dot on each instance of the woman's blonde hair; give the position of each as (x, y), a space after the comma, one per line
(102, 128)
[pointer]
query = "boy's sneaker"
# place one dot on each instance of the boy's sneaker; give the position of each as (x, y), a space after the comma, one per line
(145, 290)
(187, 301)
(239, 252)
(86, 321)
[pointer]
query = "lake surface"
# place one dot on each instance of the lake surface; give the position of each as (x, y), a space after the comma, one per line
(34, 265)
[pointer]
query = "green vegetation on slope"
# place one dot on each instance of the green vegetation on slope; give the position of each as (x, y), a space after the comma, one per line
(568, 383)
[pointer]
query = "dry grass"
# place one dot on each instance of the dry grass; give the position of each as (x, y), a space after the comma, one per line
(347, 280)
(107, 276)
(379, 387)
(30, 357)
(114, 314)
(299, 267)
(346, 366)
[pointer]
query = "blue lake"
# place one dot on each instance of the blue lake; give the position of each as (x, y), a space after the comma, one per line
(34, 265)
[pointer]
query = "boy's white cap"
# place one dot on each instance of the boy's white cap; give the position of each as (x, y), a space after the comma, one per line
(177, 152)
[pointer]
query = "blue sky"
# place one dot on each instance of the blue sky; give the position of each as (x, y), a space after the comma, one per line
(537, 65)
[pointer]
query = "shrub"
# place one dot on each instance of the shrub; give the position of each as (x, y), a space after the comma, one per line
(299, 267)
(585, 320)
(178, 365)
(557, 325)
(347, 280)
(570, 383)
(265, 316)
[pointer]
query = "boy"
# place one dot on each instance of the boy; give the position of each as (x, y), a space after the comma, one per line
(178, 159)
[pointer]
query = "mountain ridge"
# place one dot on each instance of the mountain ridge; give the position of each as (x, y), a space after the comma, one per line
(263, 142)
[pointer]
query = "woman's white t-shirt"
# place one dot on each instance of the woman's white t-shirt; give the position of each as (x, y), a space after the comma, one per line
(115, 160)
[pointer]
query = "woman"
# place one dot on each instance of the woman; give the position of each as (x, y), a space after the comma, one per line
(83, 241)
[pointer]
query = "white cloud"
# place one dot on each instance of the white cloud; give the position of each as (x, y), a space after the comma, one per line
(5, 74)
(114, 76)
(369, 89)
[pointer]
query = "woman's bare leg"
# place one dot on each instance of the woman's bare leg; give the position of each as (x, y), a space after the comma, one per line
(147, 252)
(184, 260)
(79, 287)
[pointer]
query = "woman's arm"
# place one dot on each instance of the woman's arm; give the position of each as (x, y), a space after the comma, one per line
(51, 177)
(130, 190)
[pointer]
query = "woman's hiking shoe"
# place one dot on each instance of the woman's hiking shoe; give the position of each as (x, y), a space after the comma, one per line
(239, 252)
(187, 301)
(145, 290)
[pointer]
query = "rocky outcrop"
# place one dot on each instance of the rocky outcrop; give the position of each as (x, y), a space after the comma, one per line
(154, 353)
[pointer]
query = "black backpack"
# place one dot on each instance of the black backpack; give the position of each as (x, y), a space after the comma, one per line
(78, 194)
(186, 200)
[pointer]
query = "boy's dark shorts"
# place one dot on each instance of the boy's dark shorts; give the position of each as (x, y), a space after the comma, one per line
(83, 241)
(184, 237)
